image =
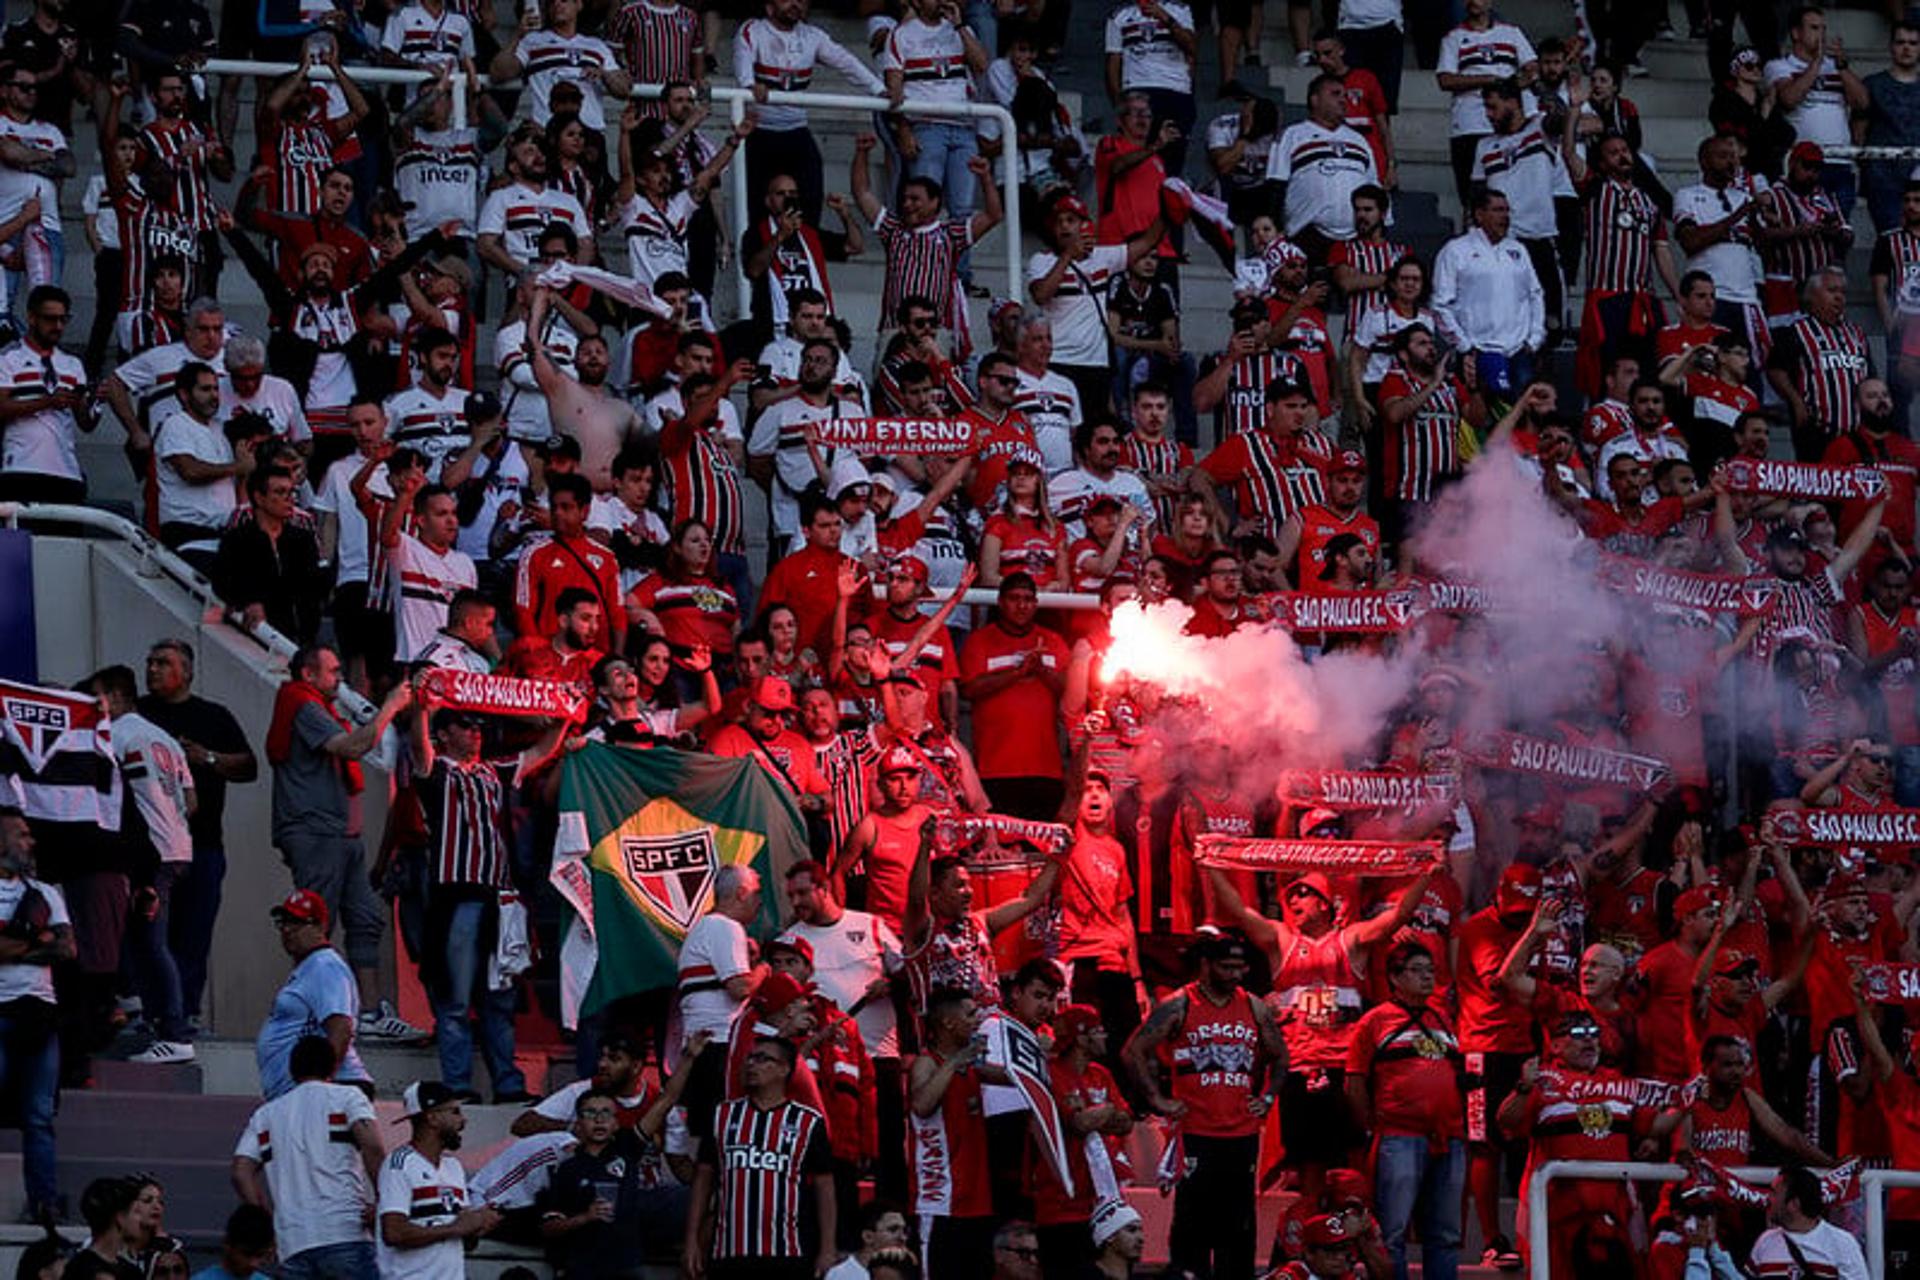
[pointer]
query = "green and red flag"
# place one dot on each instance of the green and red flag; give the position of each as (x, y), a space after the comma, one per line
(642, 835)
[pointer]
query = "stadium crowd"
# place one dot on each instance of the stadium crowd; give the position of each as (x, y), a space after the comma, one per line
(1670, 916)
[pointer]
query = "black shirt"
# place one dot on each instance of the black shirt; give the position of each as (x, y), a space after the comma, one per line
(600, 1248)
(210, 725)
(28, 47)
(170, 27)
(284, 579)
(1141, 317)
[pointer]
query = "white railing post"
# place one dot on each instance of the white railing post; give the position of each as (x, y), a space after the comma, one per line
(1539, 1260)
(743, 216)
(1873, 1185)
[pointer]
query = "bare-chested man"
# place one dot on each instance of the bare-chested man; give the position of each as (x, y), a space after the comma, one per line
(600, 421)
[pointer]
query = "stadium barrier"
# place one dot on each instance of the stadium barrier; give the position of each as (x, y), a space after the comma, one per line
(1874, 1184)
(738, 101)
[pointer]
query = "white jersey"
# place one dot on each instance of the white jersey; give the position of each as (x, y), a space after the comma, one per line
(30, 981)
(848, 955)
(155, 769)
(41, 443)
(1149, 58)
(1373, 332)
(1822, 116)
(524, 406)
(1071, 492)
(932, 62)
(335, 495)
(519, 213)
(609, 515)
(1734, 263)
(420, 39)
(547, 58)
(435, 425)
(1359, 15)
(1527, 168)
(1827, 1251)
(713, 952)
(522, 1172)
(1499, 51)
(208, 506)
(438, 175)
(1078, 310)
(1321, 168)
(303, 1143)
(277, 401)
(780, 365)
(780, 433)
(502, 482)
(427, 580)
(1051, 403)
(100, 212)
(451, 653)
(17, 186)
(765, 54)
(426, 1195)
(657, 235)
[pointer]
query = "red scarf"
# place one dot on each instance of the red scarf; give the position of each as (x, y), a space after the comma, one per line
(293, 695)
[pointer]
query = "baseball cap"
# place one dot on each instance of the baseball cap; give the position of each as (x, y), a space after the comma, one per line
(1111, 1218)
(1024, 456)
(773, 694)
(1328, 1231)
(1314, 819)
(1071, 204)
(1347, 460)
(898, 760)
(794, 943)
(1347, 1188)
(560, 446)
(777, 992)
(303, 905)
(1311, 882)
(423, 1096)
(1786, 535)
(1808, 152)
(1698, 898)
(884, 480)
(1574, 1022)
(1845, 885)
(1071, 1022)
(1518, 889)
(1734, 963)
(1105, 502)
(482, 406)
(1210, 943)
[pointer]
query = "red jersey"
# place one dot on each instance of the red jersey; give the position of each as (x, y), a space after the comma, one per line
(1316, 999)
(1678, 339)
(947, 1165)
(532, 659)
(1666, 977)
(1412, 1062)
(1625, 912)
(553, 564)
(844, 1073)
(803, 1086)
(1885, 635)
(1014, 734)
(1722, 1136)
(1491, 1020)
(1367, 101)
(1432, 927)
(1028, 546)
(1574, 1115)
(937, 662)
(1212, 1057)
(1663, 695)
(808, 582)
(787, 756)
(1830, 972)
(1630, 534)
(692, 611)
(1073, 1092)
(1899, 461)
(1094, 892)
(1157, 461)
(1271, 479)
(1212, 620)
(994, 440)
(956, 954)
(1319, 525)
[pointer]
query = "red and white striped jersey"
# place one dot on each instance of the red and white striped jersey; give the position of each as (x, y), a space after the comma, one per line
(1828, 363)
(428, 581)
(924, 260)
(1160, 459)
(956, 954)
(765, 54)
(659, 43)
(657, 234)
(703, 484)
(421, 39)
(465, 808)
(180, 145)
(1369, 258)
(1603, 422)
(1244, 407)
(1271, 479)
(302, 151)
(1426, 447)
(1623, 225)
(762, 1160)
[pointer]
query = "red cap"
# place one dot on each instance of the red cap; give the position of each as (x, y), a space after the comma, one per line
(1072, 204)
(1312, 882)
(1809, 152)
(773, 693)
(1519, 888)
(898, 760)
(1328, 1231)
(1347, 460)
(1347, 1188)
(303, 905)
(793, 942)
(777, 992)
(1072, 1022)
(1734, 962)
(914, 567)
(1845, 885)
(1698, 898)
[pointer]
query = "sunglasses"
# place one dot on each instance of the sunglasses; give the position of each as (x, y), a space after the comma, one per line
(1586, 1031)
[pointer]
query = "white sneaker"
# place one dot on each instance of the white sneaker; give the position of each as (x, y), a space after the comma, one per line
(164, 1051)
(382, 1023)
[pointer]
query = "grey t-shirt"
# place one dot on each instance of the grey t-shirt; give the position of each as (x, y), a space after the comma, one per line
(310, 793)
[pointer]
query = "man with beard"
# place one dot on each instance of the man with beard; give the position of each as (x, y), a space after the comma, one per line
(1301, 544)
(1716, 1116)
(1629, 524)
(1883, 633)
(431, 415)
(424, 1217)
(1626, 243)
(1818, 364)
(1804, 601)
(1879, 441)
(313, 325)
(1422, 406)
(567, 557)
(1711, 380)
(1275, 470)
(781, 452)
(185, 150)
(1802, 1241)
(581, 406)
(777, 376)
(1522, 161)
(515, 217)
(1097, 444)
(198, 467)
(1649, 436)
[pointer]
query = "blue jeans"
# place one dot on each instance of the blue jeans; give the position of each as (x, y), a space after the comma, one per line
(945, 148)
(1408, 1177)
(349, 1260)
(985, 21)
(196, 904)
(150, 959)
(30, 1071)
(467, 986)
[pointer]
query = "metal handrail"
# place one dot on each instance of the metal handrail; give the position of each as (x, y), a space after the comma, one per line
(737, 100)
(157, 561)
(1873, 1186)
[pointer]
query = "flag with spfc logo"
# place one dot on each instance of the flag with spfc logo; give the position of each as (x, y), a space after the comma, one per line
(642, 836)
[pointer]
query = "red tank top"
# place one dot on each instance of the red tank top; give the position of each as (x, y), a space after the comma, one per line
(1220, 814)
(1316, 998)
(896, 842)
(1213, 1057)
(948, 1154)
(1897, 678)
(1722, 1135)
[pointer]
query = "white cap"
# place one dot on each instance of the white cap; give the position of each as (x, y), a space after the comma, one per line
(1110, 1218)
